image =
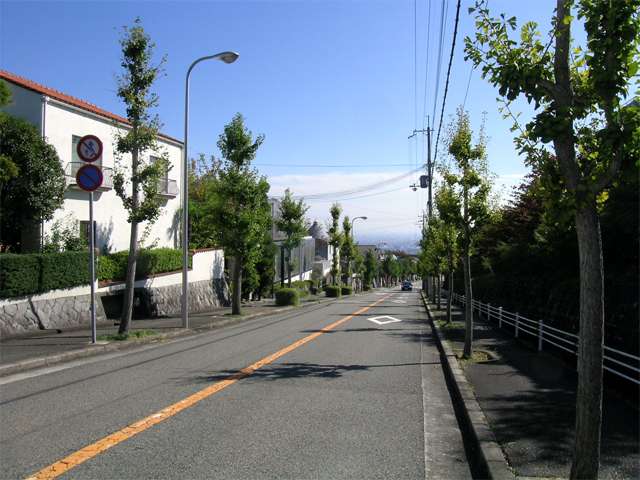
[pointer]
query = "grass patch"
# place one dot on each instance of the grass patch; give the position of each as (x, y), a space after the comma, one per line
(478, 356)
(119, 337)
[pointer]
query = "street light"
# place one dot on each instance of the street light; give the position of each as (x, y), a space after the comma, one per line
(352, 232)
(352, 221)
(226, 57)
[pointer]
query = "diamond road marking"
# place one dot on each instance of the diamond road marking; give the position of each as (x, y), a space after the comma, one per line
(398, 301)
(381, 321)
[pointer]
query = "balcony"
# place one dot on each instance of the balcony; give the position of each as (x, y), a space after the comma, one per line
(72, 168)
(168, 188)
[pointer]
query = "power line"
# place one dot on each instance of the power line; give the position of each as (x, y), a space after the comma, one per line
(346, 199)
(301, 165)
(440, 46)
(426, 71)
(446, 87)
(365, 188)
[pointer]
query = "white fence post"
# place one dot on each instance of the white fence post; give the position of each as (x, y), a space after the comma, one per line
(540, 333)
(499, 317)
(517, 322)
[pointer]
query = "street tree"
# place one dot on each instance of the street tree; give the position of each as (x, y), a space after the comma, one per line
(468, 180)
(137, 180)
(293, 224)
(370, 268)
(32, 181)
(347, 250)
(237, 204)
(448, 208)
(578, 94)
(335, 240)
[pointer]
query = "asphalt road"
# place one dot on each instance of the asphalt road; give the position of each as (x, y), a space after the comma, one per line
(362, 400)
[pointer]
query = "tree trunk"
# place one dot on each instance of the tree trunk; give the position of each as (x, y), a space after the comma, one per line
(438, 291)
(129, 290)
(433, 289)
(466, 265)
(450, 296)
(586, 457)
(289, 268)
(236, 281)
(468, 310)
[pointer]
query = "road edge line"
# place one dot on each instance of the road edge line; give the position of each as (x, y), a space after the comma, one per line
(489, 457)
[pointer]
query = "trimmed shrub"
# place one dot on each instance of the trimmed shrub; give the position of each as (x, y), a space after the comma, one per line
(150, 262)
(63, 270)
(287, 296)
(333, 291)
(32, 273)
(19, 274)
(346, 290)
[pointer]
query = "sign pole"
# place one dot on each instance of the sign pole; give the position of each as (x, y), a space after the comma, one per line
(92, 269)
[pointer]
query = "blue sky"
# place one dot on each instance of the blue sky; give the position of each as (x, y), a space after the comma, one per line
(327, 82)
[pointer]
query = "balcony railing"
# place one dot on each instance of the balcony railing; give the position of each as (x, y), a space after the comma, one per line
(168, 187)
(72, 168)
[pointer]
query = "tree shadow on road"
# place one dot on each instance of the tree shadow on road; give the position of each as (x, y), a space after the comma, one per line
(284, 371)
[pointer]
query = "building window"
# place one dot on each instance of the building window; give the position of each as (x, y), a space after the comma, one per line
(84, 231)
(164, 178)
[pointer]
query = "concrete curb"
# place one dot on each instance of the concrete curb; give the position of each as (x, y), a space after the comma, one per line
(93, 350)
(489, 460)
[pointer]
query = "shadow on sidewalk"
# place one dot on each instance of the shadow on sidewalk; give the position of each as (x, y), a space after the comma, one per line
(529, 400)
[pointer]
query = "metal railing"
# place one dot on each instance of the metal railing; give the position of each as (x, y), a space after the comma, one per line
(168, 187)
(72, 168)
(615, 361)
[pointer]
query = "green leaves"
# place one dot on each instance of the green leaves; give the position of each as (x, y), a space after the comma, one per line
(32, 181)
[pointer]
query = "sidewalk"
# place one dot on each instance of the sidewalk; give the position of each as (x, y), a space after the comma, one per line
(529, 401)
(46, 347)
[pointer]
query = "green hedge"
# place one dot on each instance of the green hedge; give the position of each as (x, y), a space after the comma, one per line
(333, 291)
(19, 275)
(28, 274)
(347, 290)
(32, 273)
(150, 262)
(64, 270)
(287, 296)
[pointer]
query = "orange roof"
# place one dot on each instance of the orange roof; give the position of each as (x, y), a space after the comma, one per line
(63, 97)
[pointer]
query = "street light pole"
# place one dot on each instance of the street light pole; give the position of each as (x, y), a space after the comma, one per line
(226, 57)
(352, 231)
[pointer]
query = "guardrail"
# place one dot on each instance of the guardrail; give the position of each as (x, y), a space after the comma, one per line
(614, 360)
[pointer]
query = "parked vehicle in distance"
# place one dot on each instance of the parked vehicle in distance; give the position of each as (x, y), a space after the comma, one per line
(407, 285)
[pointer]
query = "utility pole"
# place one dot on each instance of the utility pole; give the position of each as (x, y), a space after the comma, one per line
(425, 281)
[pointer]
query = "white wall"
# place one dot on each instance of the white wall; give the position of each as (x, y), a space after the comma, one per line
(61, 123)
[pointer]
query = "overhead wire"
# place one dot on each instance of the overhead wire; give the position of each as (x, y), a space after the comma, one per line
(362, 189)
(446, 87)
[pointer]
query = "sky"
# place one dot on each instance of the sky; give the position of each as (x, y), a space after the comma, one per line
(336, 87)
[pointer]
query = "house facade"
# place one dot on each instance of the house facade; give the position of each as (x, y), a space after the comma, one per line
(62, 121)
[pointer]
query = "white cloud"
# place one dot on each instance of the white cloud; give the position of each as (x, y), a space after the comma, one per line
(389, 214)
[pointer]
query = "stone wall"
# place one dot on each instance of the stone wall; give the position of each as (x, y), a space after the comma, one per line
(166, 301)
(28, 314)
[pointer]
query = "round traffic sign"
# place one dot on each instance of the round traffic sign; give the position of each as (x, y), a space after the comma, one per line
(89, 148)
(89, 178)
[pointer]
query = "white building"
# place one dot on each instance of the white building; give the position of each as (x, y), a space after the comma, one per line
(62, 121)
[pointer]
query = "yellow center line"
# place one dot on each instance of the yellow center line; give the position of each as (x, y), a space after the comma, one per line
(80, 456)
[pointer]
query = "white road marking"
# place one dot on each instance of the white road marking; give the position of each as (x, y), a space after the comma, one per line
(380, 321)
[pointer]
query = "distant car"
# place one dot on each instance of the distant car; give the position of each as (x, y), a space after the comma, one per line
(406, 285)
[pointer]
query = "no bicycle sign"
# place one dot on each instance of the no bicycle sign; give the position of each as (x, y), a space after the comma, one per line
(89, 148)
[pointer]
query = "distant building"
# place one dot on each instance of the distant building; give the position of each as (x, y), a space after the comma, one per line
(63, 120)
